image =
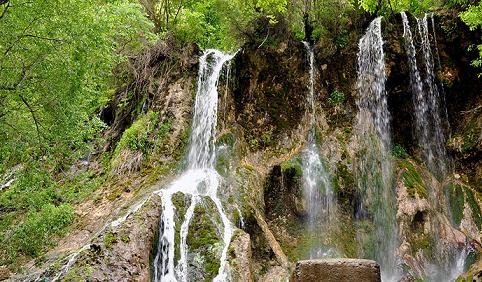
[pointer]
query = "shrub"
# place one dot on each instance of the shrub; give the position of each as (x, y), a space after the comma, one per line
(41, 228)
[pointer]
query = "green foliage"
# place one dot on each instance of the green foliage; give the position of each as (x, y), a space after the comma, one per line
(109, 240)
(57, 70)
(136, 136)
(336, 98)
(330, 19)
(473, 18)
(221, 24)
(417, 7)
(399, 151)
(40, 229)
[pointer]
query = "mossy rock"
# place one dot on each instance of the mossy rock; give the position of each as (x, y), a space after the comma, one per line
(110, 239)
(227, 139)
(474, 206)
(420, 241)
(292, 167)
(455, 195)
(412, 178)
(79, 273)
(181, 203)
(204, 238)
(365, 238)
(344, 184)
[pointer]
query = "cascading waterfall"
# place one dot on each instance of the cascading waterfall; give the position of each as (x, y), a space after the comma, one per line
(444, 264)
(374, 167)
(199, 180)
(317, 188)
(426, 97)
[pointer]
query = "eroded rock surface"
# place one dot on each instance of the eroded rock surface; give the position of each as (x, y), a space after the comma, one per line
(336, 270)
(122, 253)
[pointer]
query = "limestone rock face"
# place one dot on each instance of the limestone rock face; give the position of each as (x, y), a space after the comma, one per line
(4, 273)
(122, 253)
(339, 270)
(240, 260)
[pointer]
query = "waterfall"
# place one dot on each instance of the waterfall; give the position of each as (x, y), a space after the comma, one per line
(374, 164)
(444, 262)
(198, 181)
(317, 189)
(426, 97)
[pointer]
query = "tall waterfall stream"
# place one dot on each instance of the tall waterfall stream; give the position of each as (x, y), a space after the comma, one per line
(375, 166)
(199, 181)
(317, 188)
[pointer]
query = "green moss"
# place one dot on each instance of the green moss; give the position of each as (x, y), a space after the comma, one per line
(203, 238)
(227, 139)
(292, 166)
(346, 237)
(109, 240)
(343, 180)
(125, 238)
(413, 180)
(399, 152)
(78, 273)
(455, 196)
(254, 144)
(154, 174)
(472, 257)
(366, 239)
(336, 98)
(470, 136)
(474, 206)
(260, 142)
(421, 242)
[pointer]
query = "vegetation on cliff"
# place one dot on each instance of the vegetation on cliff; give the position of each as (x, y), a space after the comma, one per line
(78, 80)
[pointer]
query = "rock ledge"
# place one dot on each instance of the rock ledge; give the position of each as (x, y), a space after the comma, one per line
(340, 270)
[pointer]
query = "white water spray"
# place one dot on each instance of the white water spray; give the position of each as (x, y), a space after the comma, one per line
(426, 99)
(317, 188)
(200, 180)
(375, 167)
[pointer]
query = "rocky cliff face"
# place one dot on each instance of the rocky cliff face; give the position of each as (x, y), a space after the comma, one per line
(263, 123)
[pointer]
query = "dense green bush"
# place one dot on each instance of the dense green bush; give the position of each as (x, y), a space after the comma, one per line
(40, 230)
(473, 18)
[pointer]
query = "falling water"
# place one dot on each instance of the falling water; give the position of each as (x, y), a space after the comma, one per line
(444, 262)
(426, 99)
(200, 180)
(317, 188)
(374, 167)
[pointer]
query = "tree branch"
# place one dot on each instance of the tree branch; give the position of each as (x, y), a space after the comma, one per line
(32, 113)
(5, 9)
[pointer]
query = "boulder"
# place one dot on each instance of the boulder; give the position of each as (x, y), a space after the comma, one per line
(339, 270)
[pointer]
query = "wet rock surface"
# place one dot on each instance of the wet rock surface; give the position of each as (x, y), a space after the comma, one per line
(339, 270)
